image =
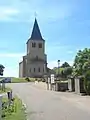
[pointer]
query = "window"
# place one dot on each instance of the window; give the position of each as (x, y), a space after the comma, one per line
(39, 69)
(33, 44)
(40, 45)
(34, 69)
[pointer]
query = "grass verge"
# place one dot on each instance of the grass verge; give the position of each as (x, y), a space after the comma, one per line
(22, 80)
(18, 112)
(6, 90)
(18, 80)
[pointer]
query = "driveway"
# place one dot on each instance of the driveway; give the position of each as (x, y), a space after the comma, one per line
(49, 105)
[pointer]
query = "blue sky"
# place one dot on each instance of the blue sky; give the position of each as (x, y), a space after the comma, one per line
(64, 24)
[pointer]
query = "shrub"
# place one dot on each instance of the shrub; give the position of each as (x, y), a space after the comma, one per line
(87, 82)
(27, 79)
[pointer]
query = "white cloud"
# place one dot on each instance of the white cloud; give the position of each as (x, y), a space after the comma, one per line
(10, 11)
(11, 67)
(69, 52)
(52, 64)
(11, 72)
(46, 11)
(16, 55)
(6, 13)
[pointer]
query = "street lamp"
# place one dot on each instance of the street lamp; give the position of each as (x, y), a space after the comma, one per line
(58, 66)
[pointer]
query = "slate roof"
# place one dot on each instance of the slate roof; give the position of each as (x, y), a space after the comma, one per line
(36, 34)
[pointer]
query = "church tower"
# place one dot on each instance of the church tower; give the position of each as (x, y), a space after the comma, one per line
(36, 59)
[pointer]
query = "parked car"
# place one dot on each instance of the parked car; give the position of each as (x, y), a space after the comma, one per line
(6, 80)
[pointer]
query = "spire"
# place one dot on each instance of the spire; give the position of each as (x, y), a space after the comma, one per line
(36, 35)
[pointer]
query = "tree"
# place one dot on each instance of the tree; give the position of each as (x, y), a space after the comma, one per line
(87, 82)
(82, 61)
(65, 64)
(1, 69)
(82, 67)
(67, 71)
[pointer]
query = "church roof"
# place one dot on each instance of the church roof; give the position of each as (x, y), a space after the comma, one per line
(36, 34)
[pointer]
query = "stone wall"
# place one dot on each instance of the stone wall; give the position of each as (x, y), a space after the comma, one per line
(61, 86)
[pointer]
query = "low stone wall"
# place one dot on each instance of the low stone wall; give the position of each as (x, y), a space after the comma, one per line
(55, 86)
(61, 86)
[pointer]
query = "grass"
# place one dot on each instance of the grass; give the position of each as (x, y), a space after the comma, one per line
(21, 80)
(6, 90)
(18, 113)
(18, 80)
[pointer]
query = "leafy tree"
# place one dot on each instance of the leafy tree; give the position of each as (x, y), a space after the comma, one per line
(67, 71)
(65, 64)
(82, 67)
(1, 69)
(82, 61)
(87, 82)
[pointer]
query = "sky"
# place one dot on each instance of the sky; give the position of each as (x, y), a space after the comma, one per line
(64, 24)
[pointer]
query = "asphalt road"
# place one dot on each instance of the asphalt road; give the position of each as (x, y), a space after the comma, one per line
(49, 105)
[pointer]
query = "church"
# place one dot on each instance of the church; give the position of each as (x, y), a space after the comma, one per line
(34, 63)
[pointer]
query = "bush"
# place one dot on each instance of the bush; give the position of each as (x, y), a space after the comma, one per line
(43, 80)
(87, 82)
(27, 79)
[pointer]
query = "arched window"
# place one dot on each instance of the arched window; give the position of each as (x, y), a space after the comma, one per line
(39, 69)
(34, 69)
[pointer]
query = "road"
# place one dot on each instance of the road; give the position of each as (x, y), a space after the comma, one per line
(49, 105)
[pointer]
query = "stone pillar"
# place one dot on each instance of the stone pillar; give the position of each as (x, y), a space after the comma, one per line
(9, 94)
(3, 86)
(71, 84)
(47, 86)
(56, 87)
(77, 85)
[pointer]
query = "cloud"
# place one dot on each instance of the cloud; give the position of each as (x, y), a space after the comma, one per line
(11, 67)
(52, 64)
(11, 72)
(11, 63)
(16, 55)
(6, 13)
(46, 11)
(70, 52)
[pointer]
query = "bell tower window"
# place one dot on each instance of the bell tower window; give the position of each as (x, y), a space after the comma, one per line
(33, 44)
(40, 45)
